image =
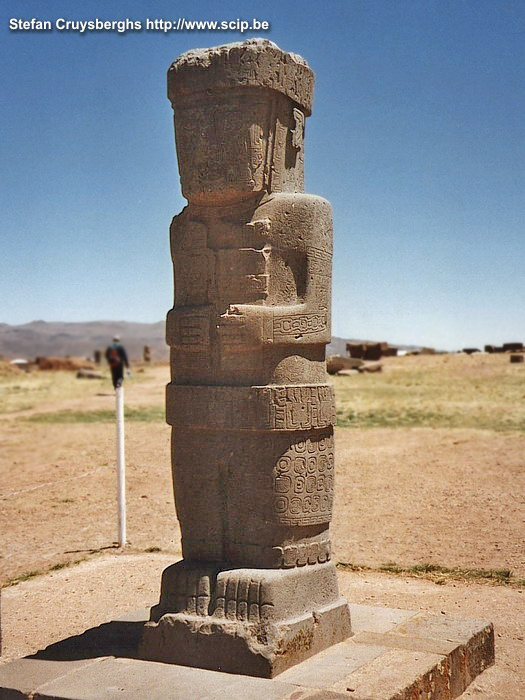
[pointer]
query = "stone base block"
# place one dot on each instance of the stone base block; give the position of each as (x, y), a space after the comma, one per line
(258, 622)
(257, 649)
(393, 655)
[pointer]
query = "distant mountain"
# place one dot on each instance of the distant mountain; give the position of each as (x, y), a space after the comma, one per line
(40, 338)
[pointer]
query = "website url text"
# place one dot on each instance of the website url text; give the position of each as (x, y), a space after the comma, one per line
(121, 26)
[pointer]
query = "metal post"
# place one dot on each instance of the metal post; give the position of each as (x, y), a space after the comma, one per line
(121, 468)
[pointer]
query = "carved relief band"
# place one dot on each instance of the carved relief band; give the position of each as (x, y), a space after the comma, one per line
(256, 408)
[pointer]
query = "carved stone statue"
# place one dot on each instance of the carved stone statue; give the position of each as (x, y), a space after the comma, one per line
(252, 414)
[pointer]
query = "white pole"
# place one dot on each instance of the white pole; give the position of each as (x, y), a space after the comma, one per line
(121, 468)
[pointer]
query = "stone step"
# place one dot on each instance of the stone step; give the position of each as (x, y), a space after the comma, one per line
(394, 654)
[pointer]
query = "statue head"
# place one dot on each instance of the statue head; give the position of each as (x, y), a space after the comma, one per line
(239, 120)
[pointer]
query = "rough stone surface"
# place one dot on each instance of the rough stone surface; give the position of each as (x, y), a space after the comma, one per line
(21, 678)
(251, 409)
(394, 655)
(252, 63)
(131, 679)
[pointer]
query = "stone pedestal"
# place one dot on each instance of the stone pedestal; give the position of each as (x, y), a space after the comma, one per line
(251, 410)
(250, 621)
(393, 655)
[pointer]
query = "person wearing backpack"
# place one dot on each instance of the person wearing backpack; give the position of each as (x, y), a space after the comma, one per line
(117, 360)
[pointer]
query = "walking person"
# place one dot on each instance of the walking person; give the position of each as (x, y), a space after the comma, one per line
(117, 360)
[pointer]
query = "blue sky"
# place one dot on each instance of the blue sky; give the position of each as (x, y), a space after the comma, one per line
(417, 138)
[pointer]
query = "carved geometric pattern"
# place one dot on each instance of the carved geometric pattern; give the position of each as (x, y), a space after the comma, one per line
(304, 553)
(303, 483)
(299, 324)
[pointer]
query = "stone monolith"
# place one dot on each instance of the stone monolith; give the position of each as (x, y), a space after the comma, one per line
(251, 409)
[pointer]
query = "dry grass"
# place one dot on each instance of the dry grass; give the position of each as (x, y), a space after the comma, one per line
(22, 392)
(36, 390)
(442, 391)
(442, 574)
(446, 391)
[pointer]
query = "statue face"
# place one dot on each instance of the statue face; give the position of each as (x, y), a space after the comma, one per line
(222, 144)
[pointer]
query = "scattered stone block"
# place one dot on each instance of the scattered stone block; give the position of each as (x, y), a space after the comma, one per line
(337, 363)
(356, 350)
(89, 374)
(63, 364)
(373, 352)
(369, 367)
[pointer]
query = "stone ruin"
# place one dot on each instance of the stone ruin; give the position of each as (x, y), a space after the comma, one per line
(506, 347)
(251, 409)
(370, 351)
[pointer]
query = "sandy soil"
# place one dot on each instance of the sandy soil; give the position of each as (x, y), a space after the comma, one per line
(448, 497)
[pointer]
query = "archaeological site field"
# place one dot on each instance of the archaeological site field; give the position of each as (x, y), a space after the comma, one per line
(430, 505)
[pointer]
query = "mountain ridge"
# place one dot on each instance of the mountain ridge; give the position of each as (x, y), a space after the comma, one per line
(82, 338)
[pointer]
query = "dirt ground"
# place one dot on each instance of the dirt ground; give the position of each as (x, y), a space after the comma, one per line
(451, 497)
